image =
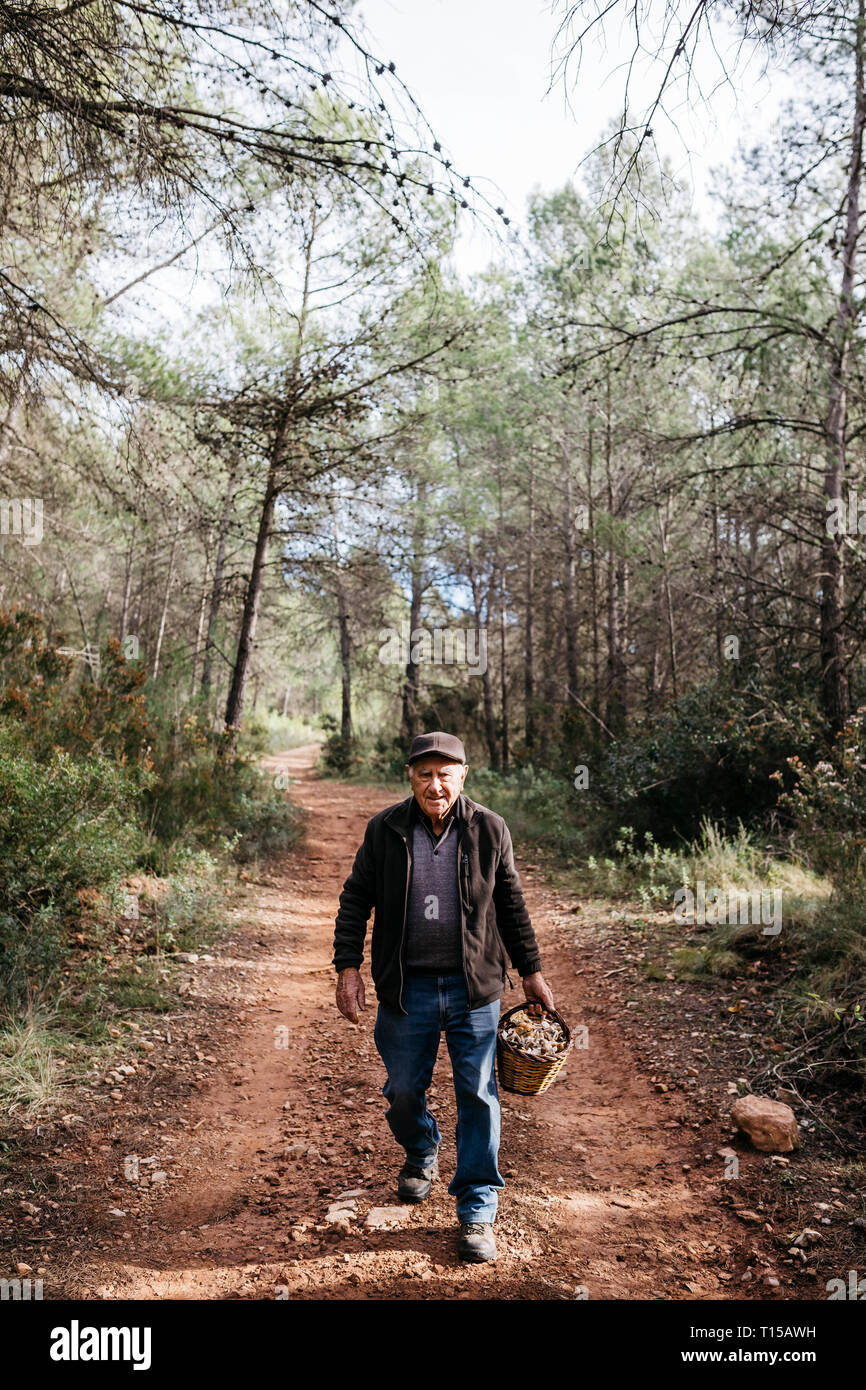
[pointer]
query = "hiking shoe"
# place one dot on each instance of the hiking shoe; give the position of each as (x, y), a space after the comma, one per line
(413, 1183)
(477, 1242)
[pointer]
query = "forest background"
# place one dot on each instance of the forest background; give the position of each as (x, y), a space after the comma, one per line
(598, 508)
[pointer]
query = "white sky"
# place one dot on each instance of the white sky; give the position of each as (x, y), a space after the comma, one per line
(480, 70)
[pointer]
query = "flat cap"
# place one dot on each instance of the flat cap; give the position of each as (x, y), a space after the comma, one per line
(446, 745)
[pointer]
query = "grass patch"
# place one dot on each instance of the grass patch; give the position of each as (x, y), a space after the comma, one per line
(31, 1065)
(689, 962)
(140, 989)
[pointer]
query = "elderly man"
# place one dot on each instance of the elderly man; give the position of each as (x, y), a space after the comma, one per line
(439, 871)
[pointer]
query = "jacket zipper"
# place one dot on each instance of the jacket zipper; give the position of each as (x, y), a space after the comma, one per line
(463, 858)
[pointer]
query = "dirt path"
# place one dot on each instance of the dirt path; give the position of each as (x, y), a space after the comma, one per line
(216, 1181)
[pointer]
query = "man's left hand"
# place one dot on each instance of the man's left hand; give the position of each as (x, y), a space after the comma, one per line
(537, 990)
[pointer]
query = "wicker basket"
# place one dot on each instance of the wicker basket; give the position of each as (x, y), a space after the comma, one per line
(528, 1076)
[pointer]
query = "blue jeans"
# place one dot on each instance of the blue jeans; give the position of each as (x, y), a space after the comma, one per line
(408, 1047)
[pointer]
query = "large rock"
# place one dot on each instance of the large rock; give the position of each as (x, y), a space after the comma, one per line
(771, 1126)
(381, 1218)
(340, 1214)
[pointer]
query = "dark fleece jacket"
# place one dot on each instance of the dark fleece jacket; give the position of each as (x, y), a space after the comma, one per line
(493, 915)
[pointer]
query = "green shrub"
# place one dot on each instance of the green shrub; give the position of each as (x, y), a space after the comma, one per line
(715, 754)
(56, 703)
(646, 871)
(341, 757)
(199, 798)
(66, 823)
(539, 806)
(824, 1003)
(828, 801)
(191, 796)
(266, 824)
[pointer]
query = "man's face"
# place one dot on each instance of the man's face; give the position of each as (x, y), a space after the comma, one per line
(436, 783)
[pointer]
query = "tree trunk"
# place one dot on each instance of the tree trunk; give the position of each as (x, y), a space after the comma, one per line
(570, 583)
(552, 647)
(834, 668)
(144, 597)
(196, 651)
(717, 582)
(252, 598)
(593, 569)
(652, 675)
(616, 592)
(528, 654)
(409, 716)
(618, 703)
(486, 684)
(345, 670)
(614, 693)
(503, 666)
(217, 586)
(164, 610)
(668, 601)
(345, 646)
(127, 584)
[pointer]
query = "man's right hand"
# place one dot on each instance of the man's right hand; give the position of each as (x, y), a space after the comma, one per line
(350, 994)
